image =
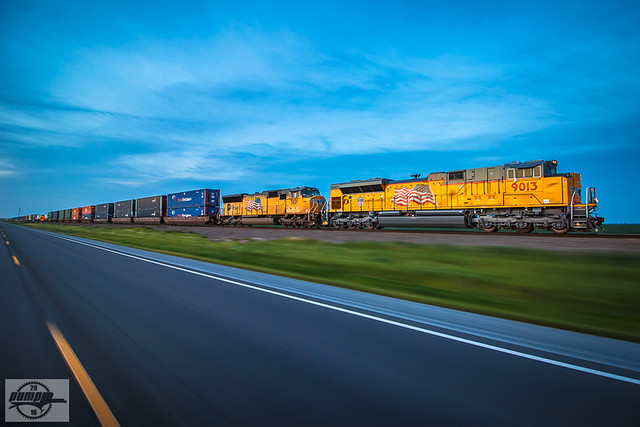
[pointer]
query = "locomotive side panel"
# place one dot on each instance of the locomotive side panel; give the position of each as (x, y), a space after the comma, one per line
(254, 205)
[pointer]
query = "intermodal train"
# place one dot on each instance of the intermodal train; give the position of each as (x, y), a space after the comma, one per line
(519, 196)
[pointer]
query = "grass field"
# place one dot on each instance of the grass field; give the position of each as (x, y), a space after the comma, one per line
(598, 294)
(622, 228)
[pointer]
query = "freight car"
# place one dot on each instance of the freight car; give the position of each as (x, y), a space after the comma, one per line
(123, 211)
(88, 213)
(515, 196)
(295, 207)
(150, 210)
(193, 207)
(104, 212)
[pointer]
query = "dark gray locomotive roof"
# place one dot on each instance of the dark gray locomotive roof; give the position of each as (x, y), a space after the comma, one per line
(361, 182)
(531, 164)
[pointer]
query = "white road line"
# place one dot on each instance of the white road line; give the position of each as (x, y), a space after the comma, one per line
(371, 317)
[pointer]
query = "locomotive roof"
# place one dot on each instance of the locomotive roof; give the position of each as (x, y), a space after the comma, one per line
(266, 193)
(300, 188)
(360, 182)
(524, 165)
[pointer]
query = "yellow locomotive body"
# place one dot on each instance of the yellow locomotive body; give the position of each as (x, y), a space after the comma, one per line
(519, 196)
(297, 207)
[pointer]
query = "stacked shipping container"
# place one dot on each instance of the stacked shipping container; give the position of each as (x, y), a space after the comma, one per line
(194, 206)
(150, 210)
(104, 212)
(88, 213)
(123, 211)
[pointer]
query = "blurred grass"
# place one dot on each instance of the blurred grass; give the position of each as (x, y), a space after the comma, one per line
(622, 228)
(592, 293)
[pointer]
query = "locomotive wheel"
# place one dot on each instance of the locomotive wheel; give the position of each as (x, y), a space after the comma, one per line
(371, 225)
(560, 230)
(488, 228)
(336, 225)
(528, 228)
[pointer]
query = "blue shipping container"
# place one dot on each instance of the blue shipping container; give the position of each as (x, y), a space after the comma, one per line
(192, 212)
(194, 199)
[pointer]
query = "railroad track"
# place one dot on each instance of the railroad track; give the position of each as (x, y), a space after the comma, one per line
(466, 232)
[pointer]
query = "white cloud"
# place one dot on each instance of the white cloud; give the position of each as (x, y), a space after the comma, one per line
(143, 169)
(7, 169)
(245, 91)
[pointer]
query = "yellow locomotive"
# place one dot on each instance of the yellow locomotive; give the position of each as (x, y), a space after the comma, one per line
(517, 196)
(296, 207)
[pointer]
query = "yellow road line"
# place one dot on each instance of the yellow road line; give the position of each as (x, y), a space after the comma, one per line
(102, 411)
(15, 260)
(7, 242)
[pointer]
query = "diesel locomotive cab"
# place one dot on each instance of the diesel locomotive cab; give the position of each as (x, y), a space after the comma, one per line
(305, 207)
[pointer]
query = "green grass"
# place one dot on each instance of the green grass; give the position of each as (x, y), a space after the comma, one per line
(593, 293)
(622, 228)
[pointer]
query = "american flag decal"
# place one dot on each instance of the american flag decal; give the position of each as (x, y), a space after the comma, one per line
(421, 194)
(253, 205)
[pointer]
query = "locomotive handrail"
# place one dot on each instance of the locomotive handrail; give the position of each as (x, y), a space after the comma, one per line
(573, 195)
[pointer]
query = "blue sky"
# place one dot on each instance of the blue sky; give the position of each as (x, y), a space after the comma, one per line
(105, 101)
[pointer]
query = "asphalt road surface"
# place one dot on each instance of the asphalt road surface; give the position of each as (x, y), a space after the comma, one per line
(168, 341)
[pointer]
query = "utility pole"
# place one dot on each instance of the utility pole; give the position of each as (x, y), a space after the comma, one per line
(19, 209)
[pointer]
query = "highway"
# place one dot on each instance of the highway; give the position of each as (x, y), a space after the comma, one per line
(169, 341)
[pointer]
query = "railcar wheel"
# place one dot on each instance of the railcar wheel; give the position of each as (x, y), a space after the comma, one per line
(487, 228)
